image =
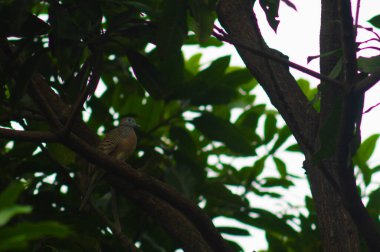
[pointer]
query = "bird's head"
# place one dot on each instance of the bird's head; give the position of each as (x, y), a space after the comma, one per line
(129, 121)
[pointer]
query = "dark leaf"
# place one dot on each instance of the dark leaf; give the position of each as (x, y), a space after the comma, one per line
(375, 21)
(221, 130)
(269, 127)
(270, 8)
(369, 65)
(234, 231)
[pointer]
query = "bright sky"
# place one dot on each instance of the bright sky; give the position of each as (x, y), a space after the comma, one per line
(298, 37)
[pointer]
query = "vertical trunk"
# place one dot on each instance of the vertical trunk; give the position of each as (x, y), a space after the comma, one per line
(336, 226)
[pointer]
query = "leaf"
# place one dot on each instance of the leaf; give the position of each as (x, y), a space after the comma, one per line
(269, 127)
(250, 118)
(171, 33)
(146, 73)
(268, 222)
(7, 213)
(9, 195)
(61, 153)
(252, 173)
(219, 194)
(273, 182)
(294, 148)
(283, 135)
(184, 140)
(221, 130)
(281, 167)
(16, 22)
(290, 4)
(18, 236)
(234, 231)
(193, 64)
(204, 18)
(270, 7)
(375, 21)
(373, 204)
(366, 149)
(369, 65)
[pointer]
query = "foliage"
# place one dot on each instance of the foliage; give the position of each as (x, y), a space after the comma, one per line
(185, 108)
(17, 233)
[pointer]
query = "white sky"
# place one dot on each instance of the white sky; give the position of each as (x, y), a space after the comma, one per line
(298, 37)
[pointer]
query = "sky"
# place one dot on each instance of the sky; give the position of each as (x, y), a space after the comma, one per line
(298, 37)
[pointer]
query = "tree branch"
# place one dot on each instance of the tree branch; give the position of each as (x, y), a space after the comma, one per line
(364, 85)
(239, 21)
(173, 221)
(152, 185)
(96, 62)
(222, 36)
(32, 136)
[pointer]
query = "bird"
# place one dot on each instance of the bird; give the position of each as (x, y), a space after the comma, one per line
(119, 143)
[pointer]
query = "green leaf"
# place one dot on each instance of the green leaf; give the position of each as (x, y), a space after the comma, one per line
(273, 182)
(7, 213)
(294, 148)
(270, 127)
(252, 173)
(146, 74)
(204, 18)
(268, 222)
(373, 204)
(369, 65)
(18, 236)
(16, 22)
(61, 153)
(221, 130)
(171, 33)
(270, 7)
(234, 231)
(281, 167)
(9, 196)
(366, 149)
(184, 140)
(283, 135)
(219, 194)
(250, 118)
(375, 21)
(193, 64)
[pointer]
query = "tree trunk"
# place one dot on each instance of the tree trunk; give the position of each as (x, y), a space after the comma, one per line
(340, 211)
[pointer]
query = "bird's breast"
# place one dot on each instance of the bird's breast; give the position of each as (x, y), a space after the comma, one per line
(126, 146)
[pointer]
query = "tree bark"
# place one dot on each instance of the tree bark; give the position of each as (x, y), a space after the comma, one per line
(339, 208)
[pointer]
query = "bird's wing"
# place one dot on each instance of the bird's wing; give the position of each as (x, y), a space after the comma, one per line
(110, 141)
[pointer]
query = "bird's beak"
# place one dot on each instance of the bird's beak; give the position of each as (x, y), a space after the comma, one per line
(137, 125)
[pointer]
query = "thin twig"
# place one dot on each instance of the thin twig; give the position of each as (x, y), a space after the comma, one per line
(87, 90)
(222, 36)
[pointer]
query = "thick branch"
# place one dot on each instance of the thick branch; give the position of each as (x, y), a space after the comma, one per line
(122, 170)
(32, 136)
(152, 185)
(175, 223)
(238, 19)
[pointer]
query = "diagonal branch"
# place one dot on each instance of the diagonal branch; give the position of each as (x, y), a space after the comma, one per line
(222, 36)
(367, 83)
(96, 61)
(239, 21)
(152, 185)
(122, 170)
